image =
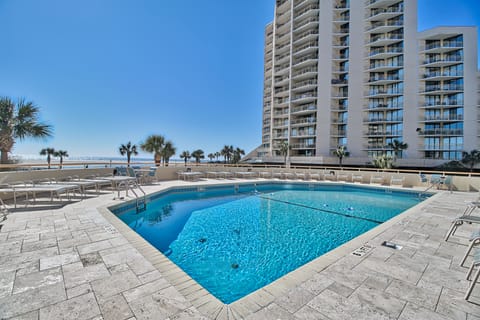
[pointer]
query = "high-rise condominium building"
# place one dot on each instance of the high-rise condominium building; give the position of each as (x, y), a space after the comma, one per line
(359, 74)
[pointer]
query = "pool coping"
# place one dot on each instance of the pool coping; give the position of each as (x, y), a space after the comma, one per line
(211, 306)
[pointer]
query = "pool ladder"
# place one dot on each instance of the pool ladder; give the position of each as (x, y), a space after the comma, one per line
(140, 201)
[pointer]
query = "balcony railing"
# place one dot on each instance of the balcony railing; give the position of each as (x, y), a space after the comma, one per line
(446, 44)
(456, 117)
(378, 24)
(378, 11)
(387, 50)
(304, 108)
(304, 121)
(444, 59)
(447, 132)
(384, 133)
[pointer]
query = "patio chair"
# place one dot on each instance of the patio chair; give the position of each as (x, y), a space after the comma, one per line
(330, 176)
(474, 241)
(397, 181)
(459, 221)
(356, 177)
(315, 175)
(377, 179)
(474, 280)
(344, 177)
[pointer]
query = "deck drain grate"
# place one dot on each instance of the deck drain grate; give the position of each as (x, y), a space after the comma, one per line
(366, 248)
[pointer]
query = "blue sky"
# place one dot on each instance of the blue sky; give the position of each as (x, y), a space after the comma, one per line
(105, 72)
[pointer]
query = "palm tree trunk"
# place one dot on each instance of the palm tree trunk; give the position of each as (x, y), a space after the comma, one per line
(61, 162)
(128, 159)
(48, 160)
(4, 156)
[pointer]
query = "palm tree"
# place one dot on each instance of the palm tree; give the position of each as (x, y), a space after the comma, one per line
(61, 154)
(383, 161)
(168, 151)
(19, 121)
(128, 149)
(217, 154)
(211, 156)
(397, 146)
(237, 154)
(198, 154)
(185, 155)
(341, 152)
(154, 144)
(226, 152)
(471, 158)
(49, 152)
(284, 150)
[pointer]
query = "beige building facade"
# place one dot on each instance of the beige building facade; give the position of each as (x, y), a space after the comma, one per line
(359, 74)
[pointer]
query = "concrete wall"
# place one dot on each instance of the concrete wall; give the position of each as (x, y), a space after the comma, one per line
(12, 176)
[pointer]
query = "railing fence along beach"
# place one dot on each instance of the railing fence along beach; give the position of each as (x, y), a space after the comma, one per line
(461, 181)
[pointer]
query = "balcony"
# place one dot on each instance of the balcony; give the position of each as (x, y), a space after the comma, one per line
(384, 13)
(446, 46)
(438, 104)
(303, 121)
(303, 134)
(384, 133)
(305, 73)
(382, 119)
(338, 133)
(304, 109)
(380, 107)
(383, 93)
(341, 18)
(439, 76)
(384, 26)
(379, 80)
(443, 62)
(305, 85)
(305, 24)
(384, 53)
(303, 146)
(310, 59)
(442, 118)
(441, 132)
(382, 67)
(380, 3)
(436, 147)
(439, 88)
(309, 11)
(309, 35)
(311, 46)
(384, 39)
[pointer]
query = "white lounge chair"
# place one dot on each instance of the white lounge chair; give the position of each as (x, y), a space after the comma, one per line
(474, 280)
(356, 177)
(397, 181)
(474, 241)
(330, 176)
(344, 177)
(376, 179)
(458, 222)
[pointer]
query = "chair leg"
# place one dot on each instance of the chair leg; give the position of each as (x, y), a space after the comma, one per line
(473, 243)
(452, 229)
(472, 284)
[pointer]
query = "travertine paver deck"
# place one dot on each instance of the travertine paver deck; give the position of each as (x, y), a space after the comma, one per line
(73, 263)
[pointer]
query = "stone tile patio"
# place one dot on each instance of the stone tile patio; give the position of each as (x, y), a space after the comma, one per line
(73, 263)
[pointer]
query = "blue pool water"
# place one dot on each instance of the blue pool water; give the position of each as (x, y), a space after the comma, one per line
(235, 240)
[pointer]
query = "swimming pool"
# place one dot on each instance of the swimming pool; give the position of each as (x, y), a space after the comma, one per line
(236, 239)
